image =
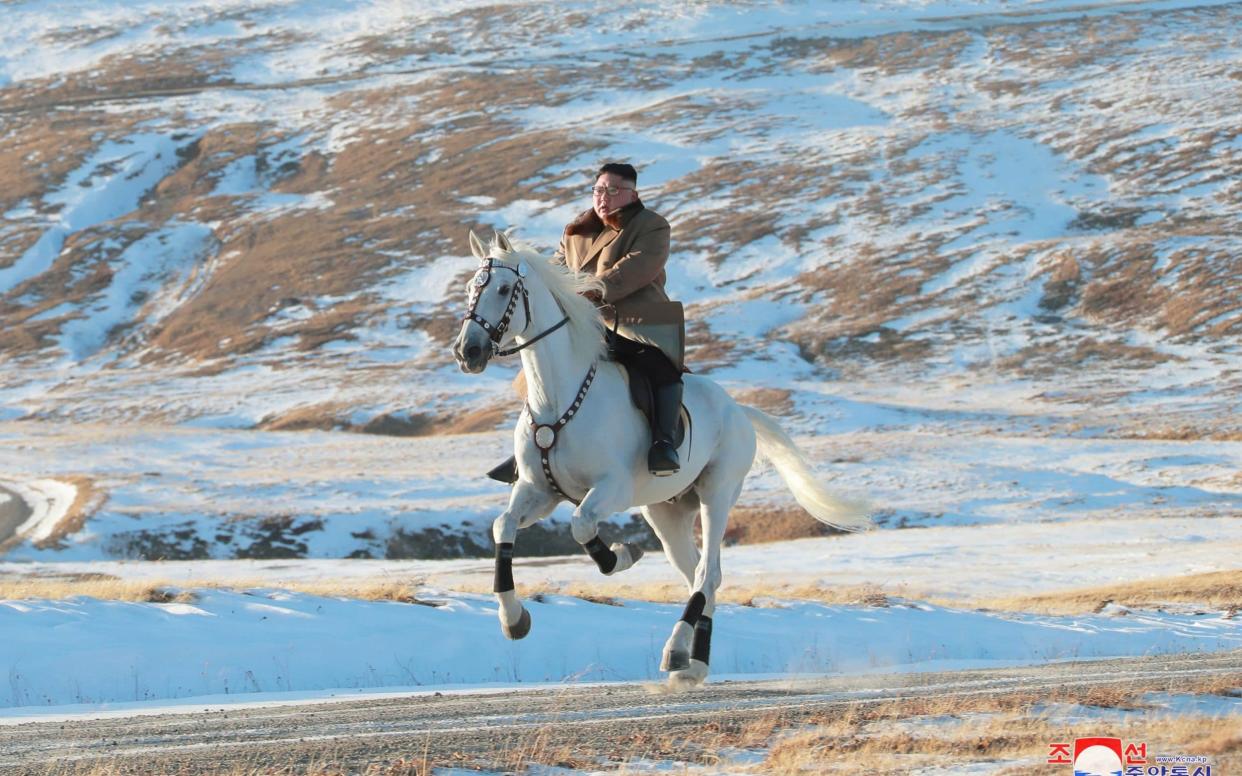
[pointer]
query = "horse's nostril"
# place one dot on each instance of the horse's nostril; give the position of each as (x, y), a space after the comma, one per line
(473, 351)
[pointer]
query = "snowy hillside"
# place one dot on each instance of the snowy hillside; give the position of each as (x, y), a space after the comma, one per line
(990, 247)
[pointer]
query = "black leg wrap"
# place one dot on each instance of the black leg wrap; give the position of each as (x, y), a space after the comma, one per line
(702, 648)
(504, 568)
(604, 557)
(694, 608)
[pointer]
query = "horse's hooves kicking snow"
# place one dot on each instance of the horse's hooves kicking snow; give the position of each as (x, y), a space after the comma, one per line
(519, 629)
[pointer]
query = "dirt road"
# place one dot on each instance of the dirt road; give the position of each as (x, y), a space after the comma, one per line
(495, 731)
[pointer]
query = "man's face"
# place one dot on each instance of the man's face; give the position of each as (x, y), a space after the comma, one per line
(604, 203)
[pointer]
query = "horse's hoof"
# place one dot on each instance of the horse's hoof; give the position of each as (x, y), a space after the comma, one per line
(519, 629)
(676, 660)
(627, 556)
(691, 676)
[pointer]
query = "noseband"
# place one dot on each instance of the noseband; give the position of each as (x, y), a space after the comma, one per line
(496, 333)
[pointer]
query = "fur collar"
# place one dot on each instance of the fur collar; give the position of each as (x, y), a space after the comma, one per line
(590, 224)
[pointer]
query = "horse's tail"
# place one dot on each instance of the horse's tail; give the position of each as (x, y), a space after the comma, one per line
(777, 447)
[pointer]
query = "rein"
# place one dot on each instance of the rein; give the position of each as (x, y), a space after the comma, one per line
(497, 332)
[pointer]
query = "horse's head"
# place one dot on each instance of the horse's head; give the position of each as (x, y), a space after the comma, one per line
(498, 306)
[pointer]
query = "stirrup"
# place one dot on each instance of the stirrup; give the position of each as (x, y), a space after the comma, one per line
(506, 472)
(662, 459)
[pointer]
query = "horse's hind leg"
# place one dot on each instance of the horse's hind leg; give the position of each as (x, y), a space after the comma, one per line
(718, 490)
(527, 503)
(673, 523)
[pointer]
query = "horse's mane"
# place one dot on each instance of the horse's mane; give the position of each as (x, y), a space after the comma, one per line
(586, 326)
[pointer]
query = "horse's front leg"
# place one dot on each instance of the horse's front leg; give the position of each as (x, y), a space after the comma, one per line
(607, 498)
(527, 504)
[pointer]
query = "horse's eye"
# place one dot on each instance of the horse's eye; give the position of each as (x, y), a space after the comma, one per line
(503, 290)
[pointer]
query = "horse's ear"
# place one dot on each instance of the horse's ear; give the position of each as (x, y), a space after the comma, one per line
(502, 240)
(476, 246)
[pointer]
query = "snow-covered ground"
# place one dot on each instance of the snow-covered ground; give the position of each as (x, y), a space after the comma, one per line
(84, 651)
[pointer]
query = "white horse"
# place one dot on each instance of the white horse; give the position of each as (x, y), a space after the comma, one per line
(580, 438)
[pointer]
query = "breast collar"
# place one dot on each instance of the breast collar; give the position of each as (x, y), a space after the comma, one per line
(545, 434)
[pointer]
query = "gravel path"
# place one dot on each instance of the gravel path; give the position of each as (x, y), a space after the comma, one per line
(496, 731)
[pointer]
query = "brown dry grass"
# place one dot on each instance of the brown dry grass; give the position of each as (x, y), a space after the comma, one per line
(982, 728)
(104, 587)
(322, 765)
(760, 596)
(990, 740)
(328, 416)
(1183, 433)
(961, 730)
(1216, 590)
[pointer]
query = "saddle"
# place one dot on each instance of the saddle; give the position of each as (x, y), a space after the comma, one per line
(641, 396)
(644, 400)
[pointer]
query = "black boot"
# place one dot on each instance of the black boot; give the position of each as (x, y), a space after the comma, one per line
(662, 459)
(506, 472)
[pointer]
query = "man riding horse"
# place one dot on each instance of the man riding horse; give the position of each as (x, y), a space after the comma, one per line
(626, 246)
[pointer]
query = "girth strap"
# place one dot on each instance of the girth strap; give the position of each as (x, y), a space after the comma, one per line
(545, 434)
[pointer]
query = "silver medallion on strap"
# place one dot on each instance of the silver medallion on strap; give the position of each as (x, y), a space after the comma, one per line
(545, 437)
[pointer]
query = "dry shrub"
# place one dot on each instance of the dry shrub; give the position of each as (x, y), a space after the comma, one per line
(312, 417)
(474, 421)
(162, 596)
(1217, 742)
(774, 401)
(758, 524)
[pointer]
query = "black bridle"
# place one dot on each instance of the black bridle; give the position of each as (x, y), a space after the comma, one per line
(496, 332)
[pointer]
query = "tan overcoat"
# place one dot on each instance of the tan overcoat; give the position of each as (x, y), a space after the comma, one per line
(630, 261)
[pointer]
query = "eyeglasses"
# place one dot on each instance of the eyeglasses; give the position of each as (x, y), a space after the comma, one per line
(611, 191)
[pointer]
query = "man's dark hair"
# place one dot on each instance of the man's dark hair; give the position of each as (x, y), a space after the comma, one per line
(622, 170)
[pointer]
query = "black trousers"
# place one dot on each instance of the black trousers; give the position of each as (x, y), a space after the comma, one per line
(650, 360)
